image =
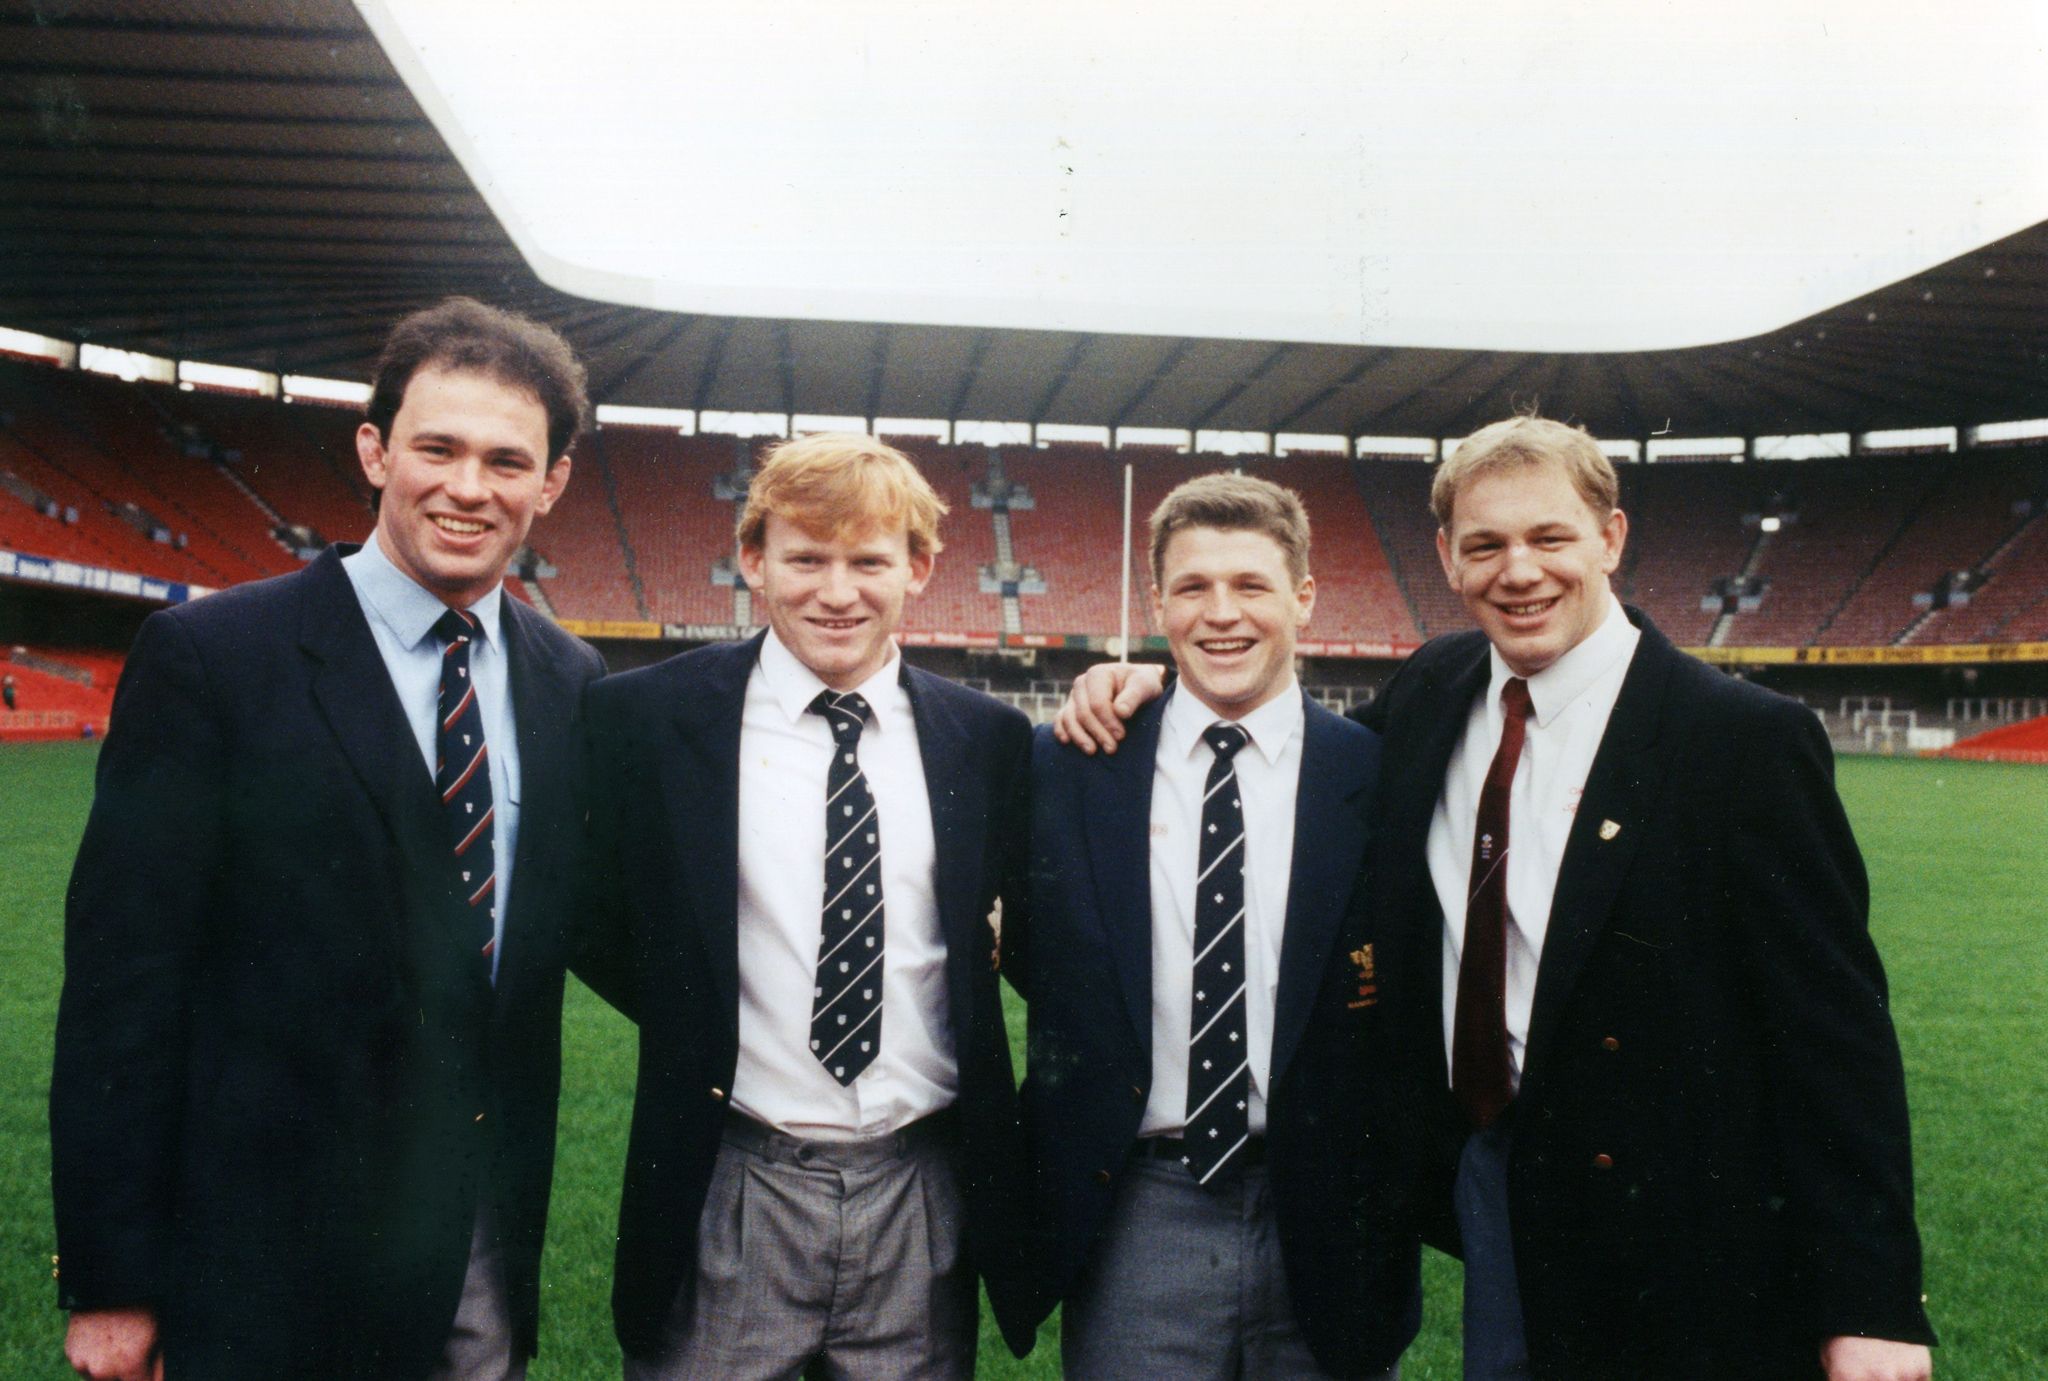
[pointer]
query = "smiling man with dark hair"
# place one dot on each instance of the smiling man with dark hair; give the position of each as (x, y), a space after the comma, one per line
(303, 1110)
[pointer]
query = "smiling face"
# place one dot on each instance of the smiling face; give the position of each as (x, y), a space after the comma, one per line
(1231, 615)
(462, 476)
(834, 601)
(1530, 558)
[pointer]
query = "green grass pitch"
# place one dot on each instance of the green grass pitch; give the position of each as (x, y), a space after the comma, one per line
(1956, 854)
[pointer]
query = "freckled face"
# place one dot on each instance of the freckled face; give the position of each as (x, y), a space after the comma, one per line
(1231, 615)
(463, 475)
(1531, 558)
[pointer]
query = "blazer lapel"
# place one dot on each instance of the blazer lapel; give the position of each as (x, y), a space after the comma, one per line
(1116, 805)
(1416, 788)
(1329, 845)
(958, 809)
(353, 689)
(1622, 788)
(701, 792)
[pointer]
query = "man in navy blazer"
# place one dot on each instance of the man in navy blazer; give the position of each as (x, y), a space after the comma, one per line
(1203, 1094)
(1657, 1100)
(303, 1110)
(825, 1153)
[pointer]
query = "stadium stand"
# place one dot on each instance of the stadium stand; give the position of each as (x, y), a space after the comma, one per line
(1979, 502)
(299, 461)
(1358, 598)
(1396, 492)
(1687, 531)
(58, 695)
(675, 529)
(1840, 520)
(582, 539)
(2026, 741)
(954, 602)
(107, 439)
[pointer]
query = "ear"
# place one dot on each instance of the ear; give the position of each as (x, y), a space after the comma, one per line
(1158, 617)
(1612, 538)
(1443, 555)
(921, 564)
(370, 451)
(552, 485)
(1305, 596)
(751, 561)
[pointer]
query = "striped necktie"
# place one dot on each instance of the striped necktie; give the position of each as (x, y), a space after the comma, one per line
(846, 1003)
(462, 772)
(1219, 1069)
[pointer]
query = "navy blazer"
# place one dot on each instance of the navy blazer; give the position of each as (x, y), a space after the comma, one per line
(1709, 1172)
(665, 745)
(284, 1081)
(1339, 1196)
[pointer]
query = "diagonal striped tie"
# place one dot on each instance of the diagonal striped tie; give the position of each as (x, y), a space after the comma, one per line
(846, 1003)
(462, 772)
(1219, 1073)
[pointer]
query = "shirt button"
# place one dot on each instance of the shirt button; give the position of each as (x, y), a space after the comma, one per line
(1603, 1161)
(1610, 1043)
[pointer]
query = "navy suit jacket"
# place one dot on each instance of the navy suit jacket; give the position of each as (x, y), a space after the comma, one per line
(284, 1082)
(665, 746)
(1709, 1172)
(1339, 1195)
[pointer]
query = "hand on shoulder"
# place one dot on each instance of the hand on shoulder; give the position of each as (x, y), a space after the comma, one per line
(1102, 698)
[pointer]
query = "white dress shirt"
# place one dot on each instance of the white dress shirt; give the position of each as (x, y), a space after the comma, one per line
(1570, 701)
(1268, 777)
(785, 755)
(402, 614)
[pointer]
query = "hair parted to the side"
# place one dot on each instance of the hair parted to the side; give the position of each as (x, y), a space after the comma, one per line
(464, 334)
(1527, 440)
(1233, 503)
(834, 483)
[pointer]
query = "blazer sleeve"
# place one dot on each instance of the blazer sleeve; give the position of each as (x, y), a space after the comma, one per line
(602, 952)
(1840, 1103)
(136, 915)
(1013, 840)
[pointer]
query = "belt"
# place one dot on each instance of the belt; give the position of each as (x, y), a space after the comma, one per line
(1173, 1148)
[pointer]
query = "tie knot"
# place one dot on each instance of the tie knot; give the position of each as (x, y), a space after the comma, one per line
(454, 626)
(845, 713)
(1514, 699)
(1225, 739)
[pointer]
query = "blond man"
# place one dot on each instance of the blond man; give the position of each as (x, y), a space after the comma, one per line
(799, 840)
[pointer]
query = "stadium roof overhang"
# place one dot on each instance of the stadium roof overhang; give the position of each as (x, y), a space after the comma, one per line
(251, 182)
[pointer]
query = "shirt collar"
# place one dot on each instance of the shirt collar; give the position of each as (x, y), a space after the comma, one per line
(1570, 676)
(1272, 726)
(408, 608)
(795, 685)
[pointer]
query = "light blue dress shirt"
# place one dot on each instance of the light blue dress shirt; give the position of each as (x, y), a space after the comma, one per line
(402, 614)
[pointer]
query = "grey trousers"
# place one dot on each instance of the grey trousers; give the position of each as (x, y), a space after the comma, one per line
(480, 1344)
(826, 1259)
(1186, 1283)
(1495, 1347)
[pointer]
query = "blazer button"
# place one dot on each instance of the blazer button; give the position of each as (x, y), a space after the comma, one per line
(719, 1094)
(479, 1117)
(1137, 1094)
(1102, 1177)
(1603, 1161)
(1609, 1043)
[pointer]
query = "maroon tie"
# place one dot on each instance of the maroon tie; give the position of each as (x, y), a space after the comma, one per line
(1479, 1043)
